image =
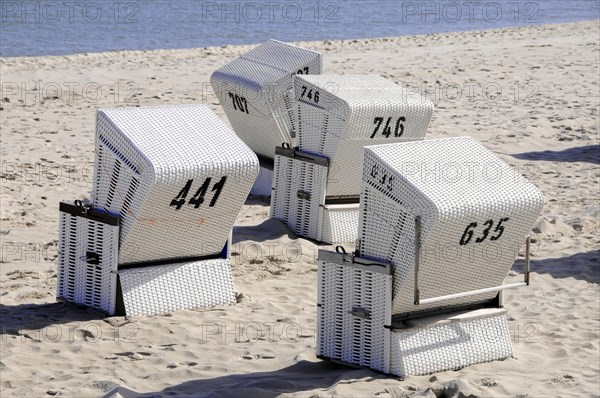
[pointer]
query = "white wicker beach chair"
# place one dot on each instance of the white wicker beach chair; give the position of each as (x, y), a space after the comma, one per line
(169, 182)
(255, 92)
(176, 175)
(336, 116)
(446, 218)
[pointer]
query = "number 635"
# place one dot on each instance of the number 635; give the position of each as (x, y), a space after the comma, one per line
(468, 234)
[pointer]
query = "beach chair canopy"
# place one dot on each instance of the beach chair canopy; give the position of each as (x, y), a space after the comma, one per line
(475, 213)
(338, 115)
(255, 92)
(177, 177)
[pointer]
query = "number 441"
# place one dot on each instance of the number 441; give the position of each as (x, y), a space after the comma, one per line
(198, 197)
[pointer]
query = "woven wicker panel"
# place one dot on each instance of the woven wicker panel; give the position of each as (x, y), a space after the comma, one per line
(91, 284)
(177, 175)
(263, 184)
(254, 91)
(450, 346)
(341, 335)
(338, 115)
(340, 223)
(165, 288)
(301, 215)
(401, 181)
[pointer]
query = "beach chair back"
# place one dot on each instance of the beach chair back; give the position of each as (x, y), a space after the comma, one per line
(255, 90)
(338, 115)
(449, 215)
(177, 176)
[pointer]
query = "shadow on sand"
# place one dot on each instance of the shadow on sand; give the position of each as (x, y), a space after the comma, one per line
(302, 376)
(28, 320)
(589, 154)
(584, 266)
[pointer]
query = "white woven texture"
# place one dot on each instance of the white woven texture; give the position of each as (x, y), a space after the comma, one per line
(92, 285)
(340, 223)
(341, 335)
(254, 90)
(165, 288)
(264, 183)
(310, 218)
(300, 215)
(337, 115)
(452, 184)
(451, 346)
(145, 159)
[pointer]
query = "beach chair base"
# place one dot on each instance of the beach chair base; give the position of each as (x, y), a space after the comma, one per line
(89, 272)
(160, 289)
(300, 199)
(355, 325)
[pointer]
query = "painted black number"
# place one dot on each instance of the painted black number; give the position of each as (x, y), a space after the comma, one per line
(499, 228)
(303, 71)
(198, 199)
(468, 234)
(179, 200)
(486, 231)
(399, 130)
(217, 190)
(239, 103)
(377, 121)
(308, 93)
(387, 129)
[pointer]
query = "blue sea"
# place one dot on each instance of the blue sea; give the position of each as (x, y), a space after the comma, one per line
(45, 27)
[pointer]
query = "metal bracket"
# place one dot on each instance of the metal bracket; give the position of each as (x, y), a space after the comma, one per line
(303, 195)
(417, 293)
(92, 258)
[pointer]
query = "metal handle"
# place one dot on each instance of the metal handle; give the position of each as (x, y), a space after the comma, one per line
(417, 257)
(418, 300)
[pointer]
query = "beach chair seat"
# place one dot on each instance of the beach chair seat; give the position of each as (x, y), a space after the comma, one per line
(441, 223)
(176, 175)
(336, 116)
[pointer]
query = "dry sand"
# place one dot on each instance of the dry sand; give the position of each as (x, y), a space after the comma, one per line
(545, 122)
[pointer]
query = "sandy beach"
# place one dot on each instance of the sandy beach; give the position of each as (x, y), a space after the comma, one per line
(531, 95)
